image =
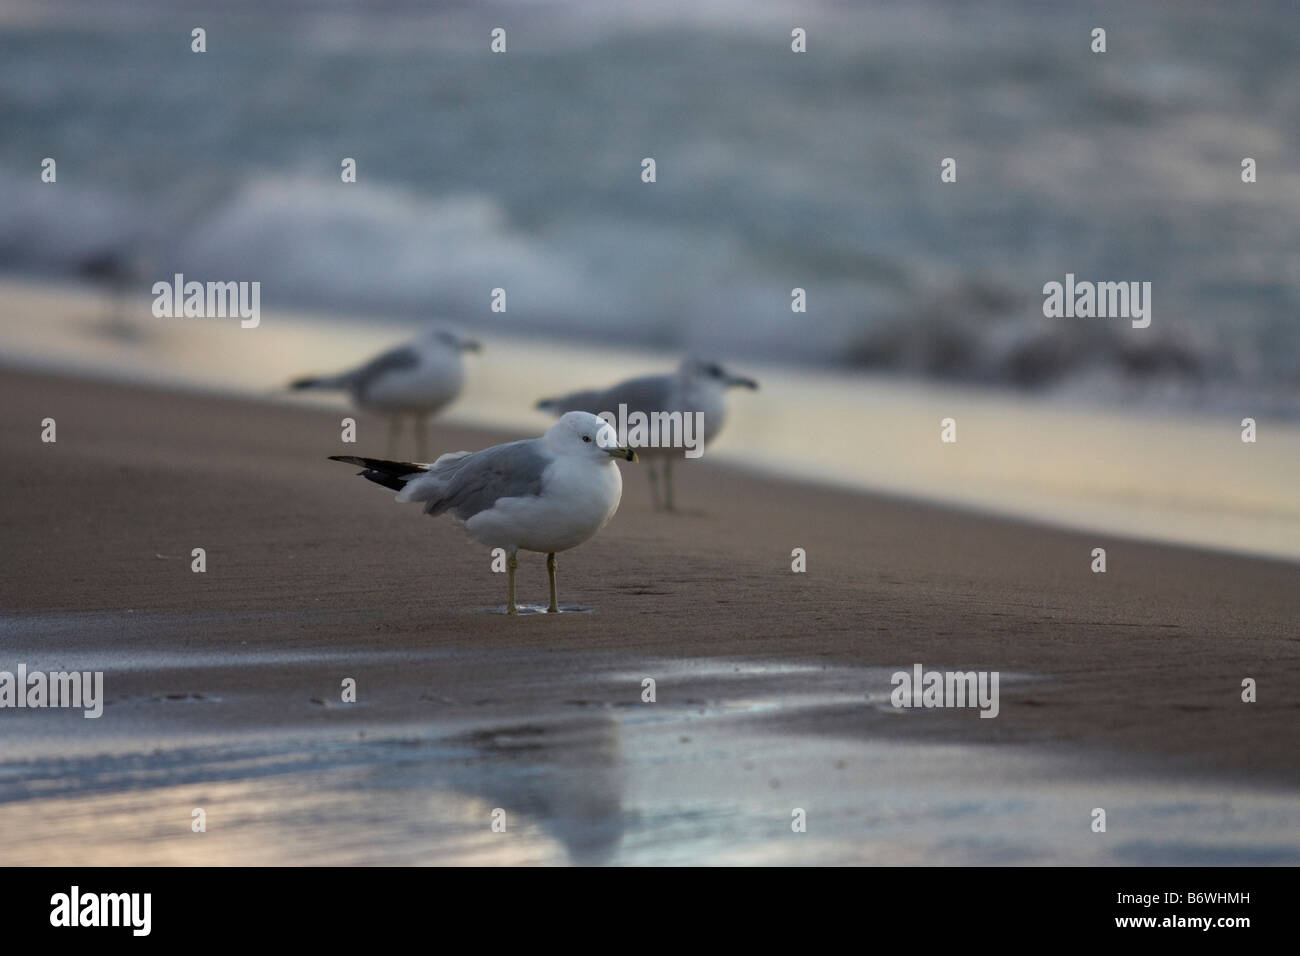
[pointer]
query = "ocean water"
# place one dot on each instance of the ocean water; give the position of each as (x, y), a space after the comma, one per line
(775, 171)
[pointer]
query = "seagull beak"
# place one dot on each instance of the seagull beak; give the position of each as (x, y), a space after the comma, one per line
(738, 380)
(621, 451)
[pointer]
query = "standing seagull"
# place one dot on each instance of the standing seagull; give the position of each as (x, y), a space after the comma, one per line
(543, 494)
(697, 386)
(418, 379)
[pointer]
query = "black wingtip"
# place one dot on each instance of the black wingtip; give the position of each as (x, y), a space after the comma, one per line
(390, 474)
(381, 465)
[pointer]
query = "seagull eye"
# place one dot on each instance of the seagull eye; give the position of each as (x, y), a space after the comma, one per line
(586, 438)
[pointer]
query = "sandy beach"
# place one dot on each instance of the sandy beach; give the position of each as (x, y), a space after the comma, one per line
(1120, 690)
(989, 317)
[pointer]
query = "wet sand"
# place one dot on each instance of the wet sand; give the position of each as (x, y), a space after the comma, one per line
(1121, 690)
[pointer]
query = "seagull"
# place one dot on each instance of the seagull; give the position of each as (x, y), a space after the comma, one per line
(544, 494)
(696, 386)
(116, 270)
(419, 379)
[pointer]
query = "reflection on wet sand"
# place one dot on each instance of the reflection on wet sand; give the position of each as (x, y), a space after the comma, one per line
(710, 774)
(404, 800)
(568, 776)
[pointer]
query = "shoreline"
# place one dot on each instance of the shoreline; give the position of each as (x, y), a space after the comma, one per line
(1151, 475)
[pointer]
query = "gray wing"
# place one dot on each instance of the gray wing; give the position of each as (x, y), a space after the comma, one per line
(649, 393)
(468, 484)
(402, 357)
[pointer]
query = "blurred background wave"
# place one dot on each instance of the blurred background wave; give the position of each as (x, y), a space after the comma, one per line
(775, 170)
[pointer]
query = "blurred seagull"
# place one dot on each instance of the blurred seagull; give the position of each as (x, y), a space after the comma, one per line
(696, 386)
(419, 379)
(116, 271)
(544, 494)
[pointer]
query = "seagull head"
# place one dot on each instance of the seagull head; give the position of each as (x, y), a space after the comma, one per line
(703, 370)
(587, 435)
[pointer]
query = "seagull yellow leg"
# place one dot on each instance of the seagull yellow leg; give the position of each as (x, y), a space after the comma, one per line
(553, 608)
(511, 563)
